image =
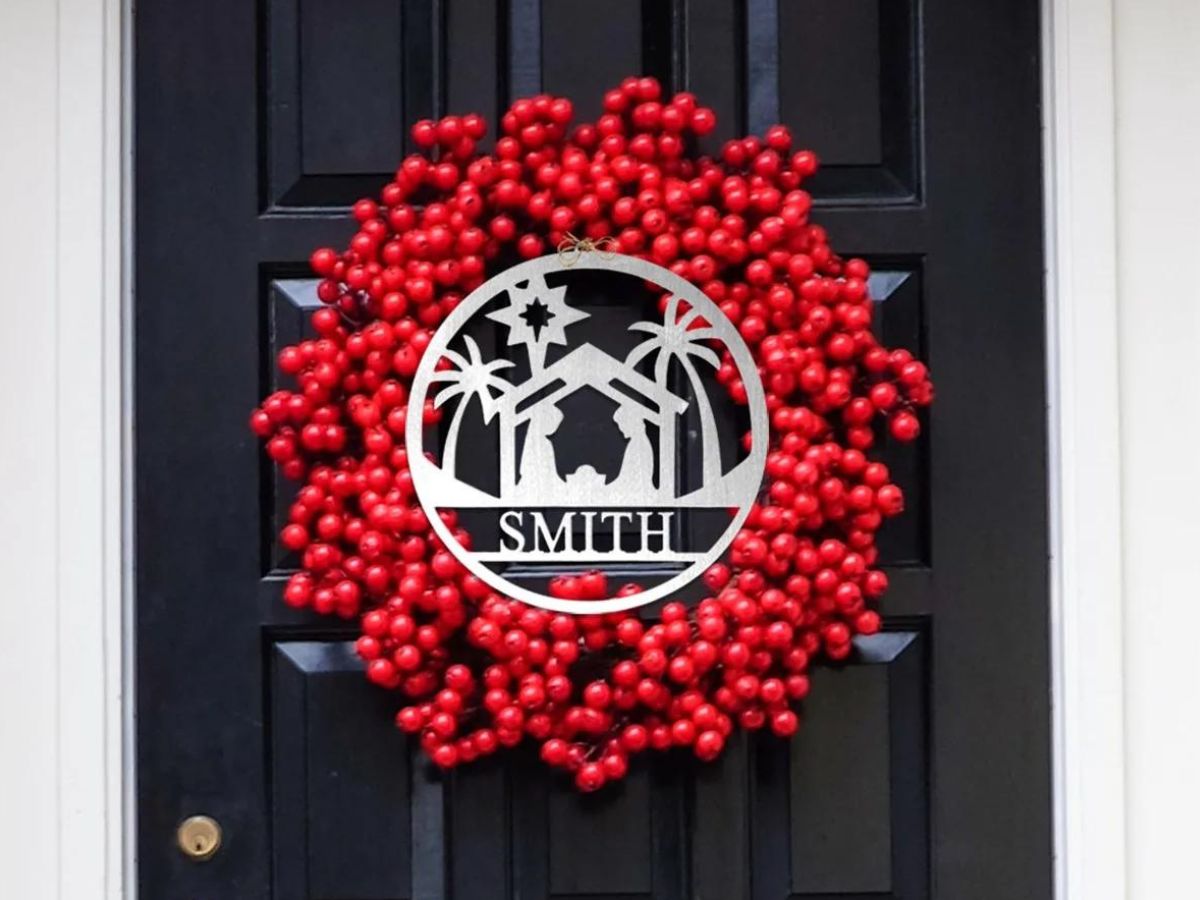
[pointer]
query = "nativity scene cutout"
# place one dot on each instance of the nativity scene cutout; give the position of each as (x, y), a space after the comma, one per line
(647, 412)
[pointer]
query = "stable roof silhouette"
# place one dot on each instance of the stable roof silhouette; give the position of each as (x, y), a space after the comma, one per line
(589, 366)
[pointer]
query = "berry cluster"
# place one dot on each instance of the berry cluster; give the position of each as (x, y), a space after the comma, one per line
(480, 671)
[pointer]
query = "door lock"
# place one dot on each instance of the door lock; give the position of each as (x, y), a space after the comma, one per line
(199, 838)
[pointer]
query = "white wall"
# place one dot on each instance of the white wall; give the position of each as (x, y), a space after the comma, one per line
(28, 605)
(1157, 51)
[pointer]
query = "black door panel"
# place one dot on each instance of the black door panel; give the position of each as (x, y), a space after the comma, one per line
(923, 767)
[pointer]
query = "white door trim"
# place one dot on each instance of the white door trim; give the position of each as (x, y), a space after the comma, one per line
(1084, 453)
(65, 631)
(62, 239)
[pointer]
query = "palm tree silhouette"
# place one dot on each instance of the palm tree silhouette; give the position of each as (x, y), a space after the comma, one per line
(676, 339)
(472, 378)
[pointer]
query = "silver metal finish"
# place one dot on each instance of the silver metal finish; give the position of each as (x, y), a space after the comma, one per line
(633, 503)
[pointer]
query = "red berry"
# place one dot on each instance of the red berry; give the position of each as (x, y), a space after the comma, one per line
(784, 723)
(709, 745)
(597, 695)
(904, 426)
(590, 777)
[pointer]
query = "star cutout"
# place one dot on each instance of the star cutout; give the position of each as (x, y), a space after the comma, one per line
(537, 316)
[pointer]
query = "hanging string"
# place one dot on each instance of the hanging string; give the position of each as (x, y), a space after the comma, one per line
(570, 248)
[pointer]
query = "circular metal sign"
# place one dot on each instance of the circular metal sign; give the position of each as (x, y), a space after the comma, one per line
(561, 379)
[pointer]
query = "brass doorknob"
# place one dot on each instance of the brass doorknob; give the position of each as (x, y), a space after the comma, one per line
(199, 838)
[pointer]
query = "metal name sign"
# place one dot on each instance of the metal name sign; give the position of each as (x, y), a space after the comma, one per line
(528, 510)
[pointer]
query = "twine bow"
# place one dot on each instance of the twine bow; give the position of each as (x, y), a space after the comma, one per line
(570, 248)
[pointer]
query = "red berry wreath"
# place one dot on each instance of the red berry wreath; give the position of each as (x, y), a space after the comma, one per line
(478, 671)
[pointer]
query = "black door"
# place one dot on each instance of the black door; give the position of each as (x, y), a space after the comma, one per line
(923, 769)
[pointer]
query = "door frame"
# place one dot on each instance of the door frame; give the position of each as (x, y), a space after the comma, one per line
(75, 522)
(1084, 453)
